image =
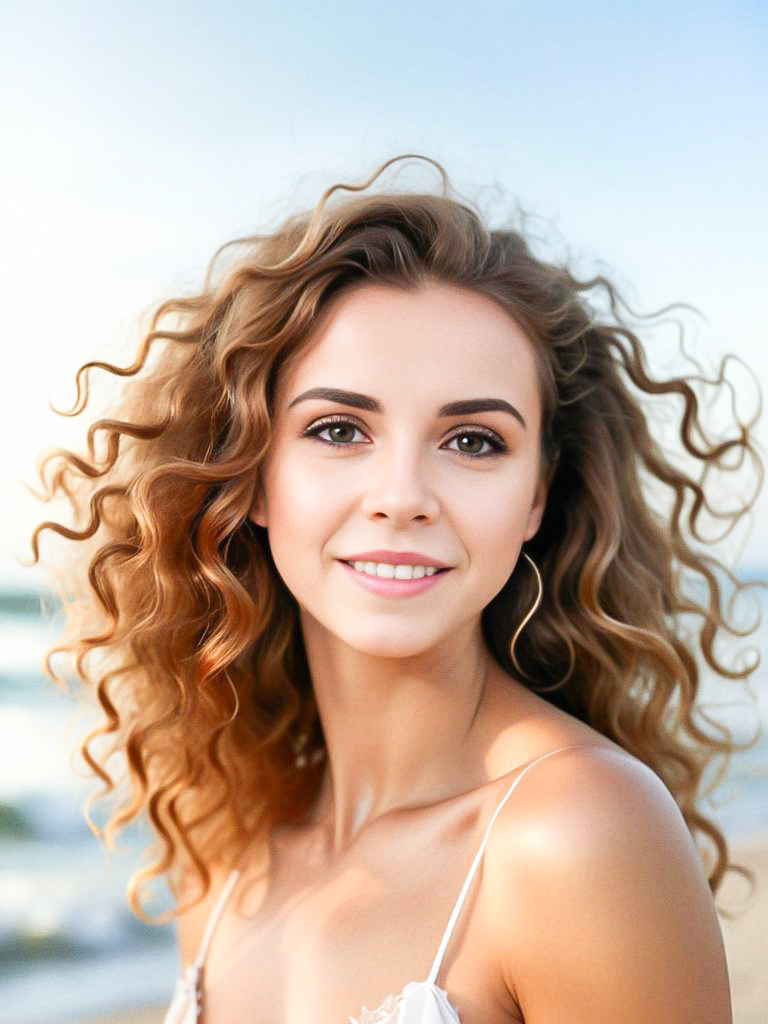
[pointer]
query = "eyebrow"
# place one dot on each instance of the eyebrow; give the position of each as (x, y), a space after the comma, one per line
(461, 408)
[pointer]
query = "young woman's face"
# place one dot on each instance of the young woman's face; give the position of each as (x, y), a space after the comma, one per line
(340, 480)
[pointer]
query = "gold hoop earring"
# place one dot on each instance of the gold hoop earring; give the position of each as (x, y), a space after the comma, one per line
(530, 614)
(518, 631)
(237, 700)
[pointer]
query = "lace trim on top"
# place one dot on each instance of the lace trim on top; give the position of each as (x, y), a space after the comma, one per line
(386, 1009)
(392, 1004)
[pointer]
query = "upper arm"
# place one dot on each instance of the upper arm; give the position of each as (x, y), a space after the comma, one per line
(601, 907)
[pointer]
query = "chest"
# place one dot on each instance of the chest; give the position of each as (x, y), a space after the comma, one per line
(308, 945)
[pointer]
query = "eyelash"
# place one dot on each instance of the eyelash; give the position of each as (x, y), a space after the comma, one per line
(499, 447)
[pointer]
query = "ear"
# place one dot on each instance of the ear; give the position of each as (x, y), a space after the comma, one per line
(257, 513)
(537, 508)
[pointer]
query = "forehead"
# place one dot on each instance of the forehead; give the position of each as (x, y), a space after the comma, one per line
(439, 339)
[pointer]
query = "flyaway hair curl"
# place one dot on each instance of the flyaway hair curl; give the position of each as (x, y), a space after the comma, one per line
(180, 627)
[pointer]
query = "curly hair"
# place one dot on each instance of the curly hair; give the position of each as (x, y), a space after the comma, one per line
(180, 627)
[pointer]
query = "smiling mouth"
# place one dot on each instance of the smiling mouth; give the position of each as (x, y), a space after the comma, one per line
(376, 577)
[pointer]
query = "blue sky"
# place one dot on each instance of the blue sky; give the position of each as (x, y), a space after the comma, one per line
(139, 136)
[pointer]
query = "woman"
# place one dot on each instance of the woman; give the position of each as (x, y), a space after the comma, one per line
(390, 634)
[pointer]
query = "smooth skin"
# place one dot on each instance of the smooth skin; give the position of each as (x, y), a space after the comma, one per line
(606, 914)
(399, 682)
(591, 906)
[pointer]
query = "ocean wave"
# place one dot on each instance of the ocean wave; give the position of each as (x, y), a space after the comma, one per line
(59, 903)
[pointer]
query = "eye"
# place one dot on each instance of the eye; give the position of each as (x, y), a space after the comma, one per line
(329, 424)
(489, 437)
(485, 436)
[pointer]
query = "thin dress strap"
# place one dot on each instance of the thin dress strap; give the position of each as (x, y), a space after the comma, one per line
(213, 920)
(187, 1003)
(435, 970)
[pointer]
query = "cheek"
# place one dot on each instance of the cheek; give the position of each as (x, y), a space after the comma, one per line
(494, 539)
(299, 520)
(296, 491)
(498, 512)
(494, 532)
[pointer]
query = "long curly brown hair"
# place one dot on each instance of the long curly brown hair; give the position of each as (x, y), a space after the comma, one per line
(181, 628)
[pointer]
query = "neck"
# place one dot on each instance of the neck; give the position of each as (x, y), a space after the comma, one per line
(400, 732)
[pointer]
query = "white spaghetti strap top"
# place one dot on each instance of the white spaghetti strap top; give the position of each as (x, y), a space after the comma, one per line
(187, 1003)
(420, 1002)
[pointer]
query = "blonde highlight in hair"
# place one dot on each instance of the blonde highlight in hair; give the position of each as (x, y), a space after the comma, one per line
(186, 635)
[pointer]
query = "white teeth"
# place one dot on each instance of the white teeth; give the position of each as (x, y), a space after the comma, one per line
(398, 572)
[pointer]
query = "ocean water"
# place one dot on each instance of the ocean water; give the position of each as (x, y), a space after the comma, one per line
(69, 944)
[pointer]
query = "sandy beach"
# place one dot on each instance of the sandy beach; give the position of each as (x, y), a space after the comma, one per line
(745, 938)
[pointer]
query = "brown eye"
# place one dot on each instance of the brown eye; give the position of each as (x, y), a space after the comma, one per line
(335, 425)
(478, 437)
(338, 429)
(472, 438)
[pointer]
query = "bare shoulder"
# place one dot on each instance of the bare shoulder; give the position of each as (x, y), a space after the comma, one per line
(597, 902)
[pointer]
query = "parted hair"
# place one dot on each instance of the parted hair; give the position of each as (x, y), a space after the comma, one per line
(185, 637)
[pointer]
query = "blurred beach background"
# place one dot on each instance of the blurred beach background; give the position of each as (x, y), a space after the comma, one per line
(139, 137)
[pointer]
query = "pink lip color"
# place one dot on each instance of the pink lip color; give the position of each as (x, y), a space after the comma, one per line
(393, 588)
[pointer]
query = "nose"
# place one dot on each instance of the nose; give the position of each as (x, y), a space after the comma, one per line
(399, 487)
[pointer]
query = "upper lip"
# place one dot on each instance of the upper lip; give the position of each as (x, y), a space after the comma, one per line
(396, 558)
